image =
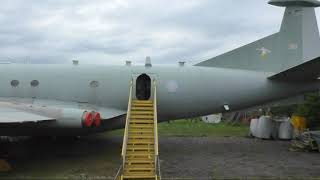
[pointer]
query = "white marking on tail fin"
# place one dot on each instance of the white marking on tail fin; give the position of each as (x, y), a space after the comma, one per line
(263, 51)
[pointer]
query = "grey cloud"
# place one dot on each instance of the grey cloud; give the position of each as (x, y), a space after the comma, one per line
(99, 31)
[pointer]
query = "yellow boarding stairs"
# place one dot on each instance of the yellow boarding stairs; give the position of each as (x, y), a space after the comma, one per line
(140, 143)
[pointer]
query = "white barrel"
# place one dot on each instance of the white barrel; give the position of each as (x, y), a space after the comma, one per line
(275, 129)
(285, 130)
(264, 127)
(253, 127)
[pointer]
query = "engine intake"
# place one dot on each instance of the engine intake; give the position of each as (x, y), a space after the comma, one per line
(96, 118)
(87, 119)
(77, 118)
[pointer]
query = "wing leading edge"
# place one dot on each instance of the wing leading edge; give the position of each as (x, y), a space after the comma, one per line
(11, 115)
(20, 110)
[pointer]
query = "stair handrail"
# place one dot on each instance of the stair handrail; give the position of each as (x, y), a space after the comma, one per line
(126, 131)
(155, 116)
(117, 177)
(156, 145)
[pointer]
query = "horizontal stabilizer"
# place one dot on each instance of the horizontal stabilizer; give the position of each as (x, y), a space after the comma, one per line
(304, 72)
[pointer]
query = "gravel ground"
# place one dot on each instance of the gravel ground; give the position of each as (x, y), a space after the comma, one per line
(219, 158)
(98, 157)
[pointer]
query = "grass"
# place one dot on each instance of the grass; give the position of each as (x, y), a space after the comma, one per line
(196, 128)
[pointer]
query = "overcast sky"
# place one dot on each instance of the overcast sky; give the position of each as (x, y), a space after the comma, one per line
(112, 31)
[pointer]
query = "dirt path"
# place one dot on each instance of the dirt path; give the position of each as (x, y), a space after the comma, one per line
(98, 157)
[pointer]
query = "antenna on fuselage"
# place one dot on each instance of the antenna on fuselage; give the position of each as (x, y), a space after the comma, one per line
(128, 63)
(182, 63)
(148, 62)
(75, 62)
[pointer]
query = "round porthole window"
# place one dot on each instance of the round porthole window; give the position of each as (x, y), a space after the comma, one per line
(34, 83)
(94, 84)
(14, 83)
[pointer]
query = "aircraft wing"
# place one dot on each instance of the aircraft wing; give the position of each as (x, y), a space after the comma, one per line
(109, 113)
(19, 110)
(11, 115)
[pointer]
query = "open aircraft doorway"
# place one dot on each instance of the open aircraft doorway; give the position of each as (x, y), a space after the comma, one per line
(143, 87)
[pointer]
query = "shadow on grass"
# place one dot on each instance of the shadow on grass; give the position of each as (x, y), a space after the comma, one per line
(48, 158)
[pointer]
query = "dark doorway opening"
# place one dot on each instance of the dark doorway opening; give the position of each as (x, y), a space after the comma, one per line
(143, 87)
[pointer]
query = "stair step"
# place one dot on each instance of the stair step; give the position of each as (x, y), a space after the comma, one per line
(141, 137)
(141, 151)
(144, 126)
(140, 146)
(140, 142)
(140, 127)
(141, 122)
(135, 156)
(139, 169)
(138, 153)
(140, 176)
(145, 131)
(149, 117)
(142, 109)
(142, 105)
(149, 166)
(139, 119)
(139, 156)
(141, 131)
(144, 135)
(146, 153)
(140, 134)
(142, 113)
(129, 158)
(141, 161)
(142, 101)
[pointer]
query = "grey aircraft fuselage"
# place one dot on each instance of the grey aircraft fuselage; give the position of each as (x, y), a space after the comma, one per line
(182, 92)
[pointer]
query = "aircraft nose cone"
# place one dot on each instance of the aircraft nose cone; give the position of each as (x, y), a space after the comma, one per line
(299, 3)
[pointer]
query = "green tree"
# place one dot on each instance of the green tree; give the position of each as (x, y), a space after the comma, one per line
(310, 110)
